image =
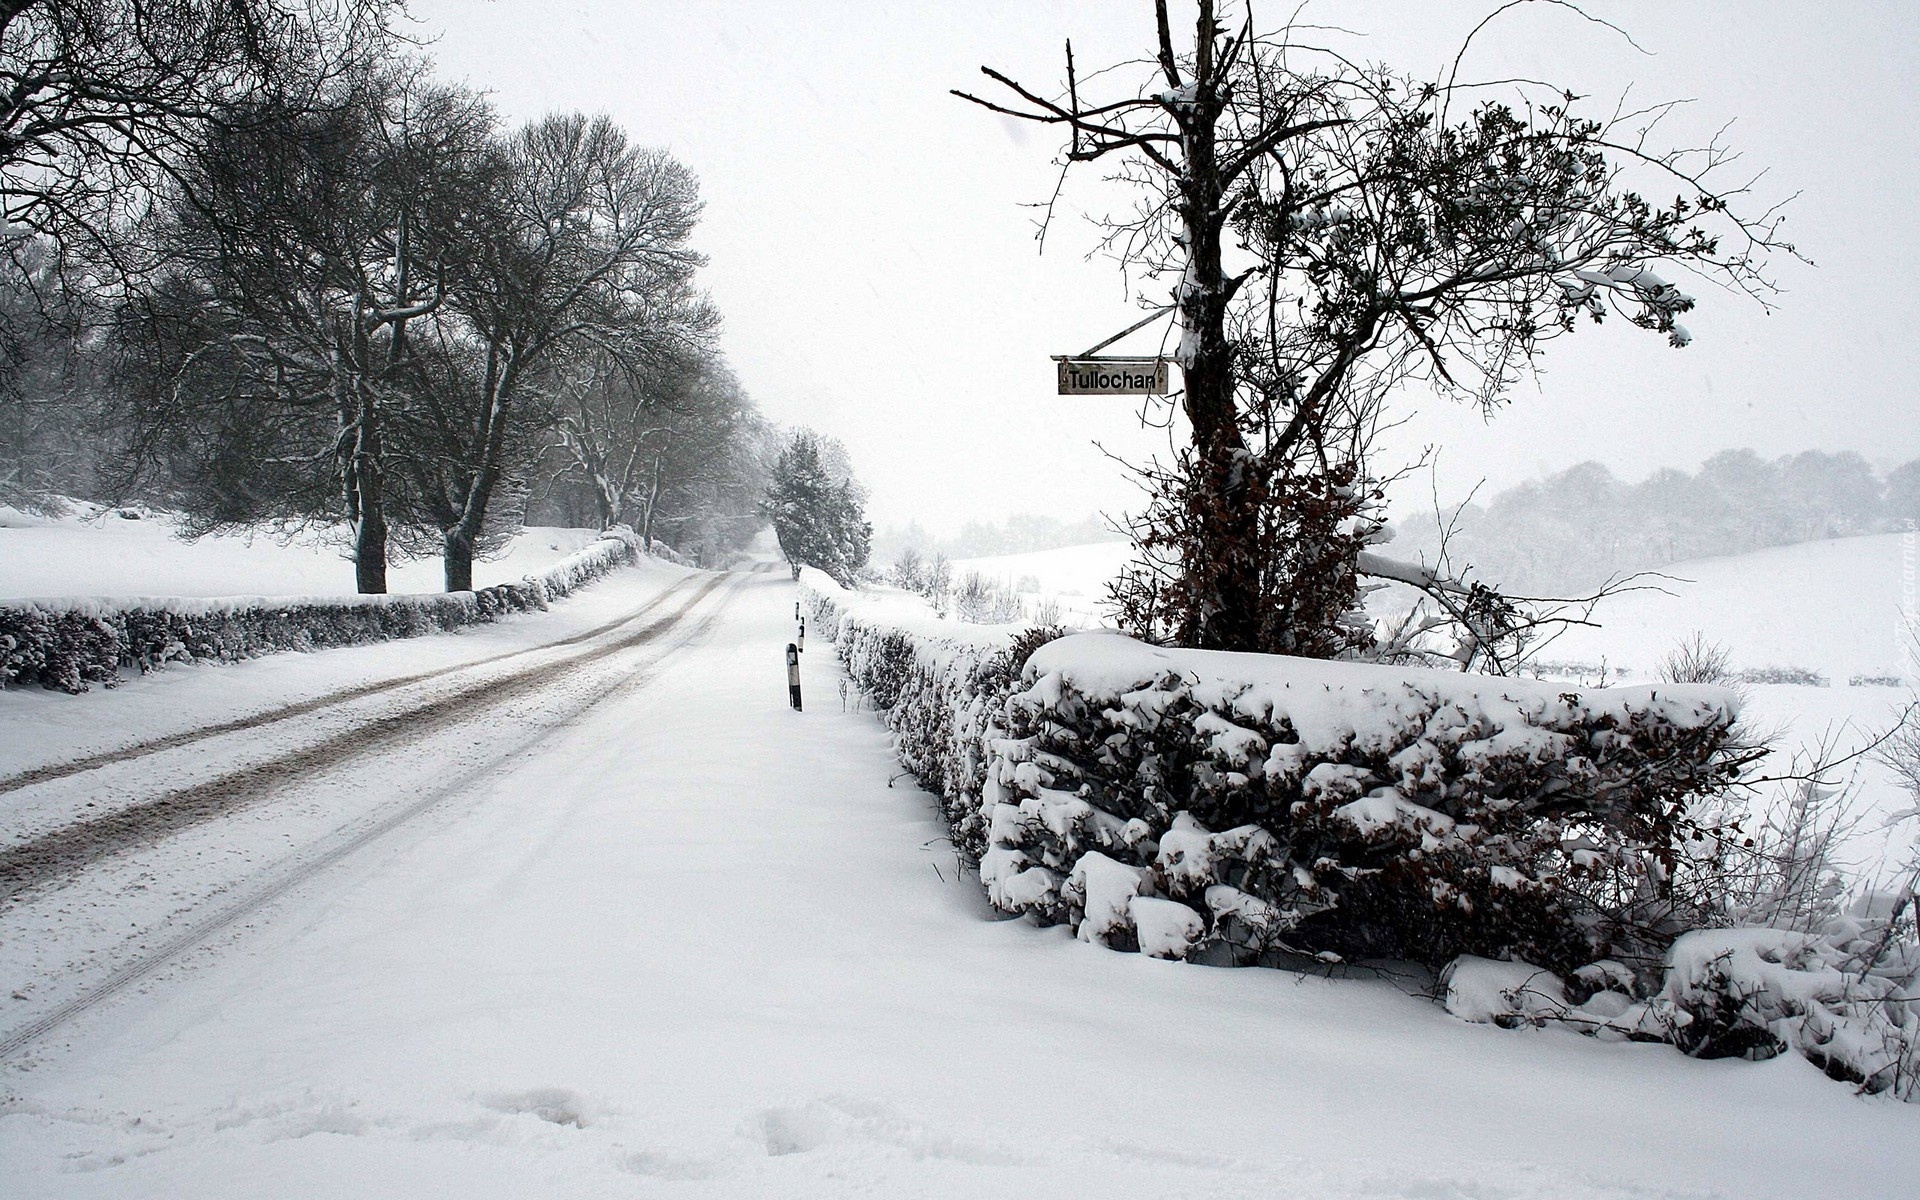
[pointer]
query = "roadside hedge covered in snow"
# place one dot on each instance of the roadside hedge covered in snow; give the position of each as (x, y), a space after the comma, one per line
(1237, 808)
(1179, 801)
(1845, 997)
(1249, 807)
(69, 644)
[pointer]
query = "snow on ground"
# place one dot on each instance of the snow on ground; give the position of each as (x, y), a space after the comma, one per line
(700, 945)
(1076, 576)
(98, 552)
(1833, 607)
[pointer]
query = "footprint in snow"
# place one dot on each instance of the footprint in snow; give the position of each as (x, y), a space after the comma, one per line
(555, 1106)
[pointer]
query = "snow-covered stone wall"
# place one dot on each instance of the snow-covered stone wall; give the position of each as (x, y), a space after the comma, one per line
(67, 644)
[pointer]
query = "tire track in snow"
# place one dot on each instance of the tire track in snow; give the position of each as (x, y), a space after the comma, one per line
(304, 865)
(93, 762)
(60, 852)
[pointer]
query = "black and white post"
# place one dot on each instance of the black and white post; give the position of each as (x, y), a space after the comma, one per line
(793, 675)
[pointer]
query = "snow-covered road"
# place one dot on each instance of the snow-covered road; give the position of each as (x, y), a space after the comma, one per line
(626, 925)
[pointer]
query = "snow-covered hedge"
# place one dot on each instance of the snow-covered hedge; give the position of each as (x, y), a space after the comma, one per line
(1847, 998)
(1186, 801)
(68, 644)
(1247, 806)
(1253, 808)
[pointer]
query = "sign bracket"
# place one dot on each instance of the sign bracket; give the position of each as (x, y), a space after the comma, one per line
(1142, 323)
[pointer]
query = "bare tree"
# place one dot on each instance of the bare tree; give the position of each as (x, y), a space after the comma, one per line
(584, 246)
(99, 99)
(618, 424)
(1332, 231)
(300, 250)
(703, 492)
(100, 102)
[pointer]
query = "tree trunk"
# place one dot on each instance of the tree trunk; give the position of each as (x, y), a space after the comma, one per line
(370, 534)
(457, 555)
(653, 499)
(609, 505)
(459, 541)
(1223, 566)
(361, 489)
(370, 550)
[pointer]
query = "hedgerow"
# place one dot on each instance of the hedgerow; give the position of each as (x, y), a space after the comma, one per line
(70, 644)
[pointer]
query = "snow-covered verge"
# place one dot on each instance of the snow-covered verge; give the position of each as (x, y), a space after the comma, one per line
(69, 643)
(1257, 809)
(936, 683)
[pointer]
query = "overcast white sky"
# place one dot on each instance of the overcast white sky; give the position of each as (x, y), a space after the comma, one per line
(880, 281)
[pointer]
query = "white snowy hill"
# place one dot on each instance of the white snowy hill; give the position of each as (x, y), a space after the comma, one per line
(1832, 607)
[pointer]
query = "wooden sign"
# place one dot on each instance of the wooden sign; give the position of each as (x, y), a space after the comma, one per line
(1112, 376)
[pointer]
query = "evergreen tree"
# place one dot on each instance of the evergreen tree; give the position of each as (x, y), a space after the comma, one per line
(818, 519)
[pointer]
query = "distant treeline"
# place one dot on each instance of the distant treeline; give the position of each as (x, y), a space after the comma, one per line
(1574, 529)
(1018, 534)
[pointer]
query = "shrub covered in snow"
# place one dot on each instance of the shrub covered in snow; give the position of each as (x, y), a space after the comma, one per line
(69, 644)
(1846, 997)
(1343, 810)
(1251, 808)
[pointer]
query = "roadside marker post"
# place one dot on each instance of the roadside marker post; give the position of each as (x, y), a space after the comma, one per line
(793, 675)
(803, 635)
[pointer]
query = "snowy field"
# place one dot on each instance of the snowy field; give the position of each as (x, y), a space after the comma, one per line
(691, 943)
(1833, 607)
(1076, 576)
(98, 552)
